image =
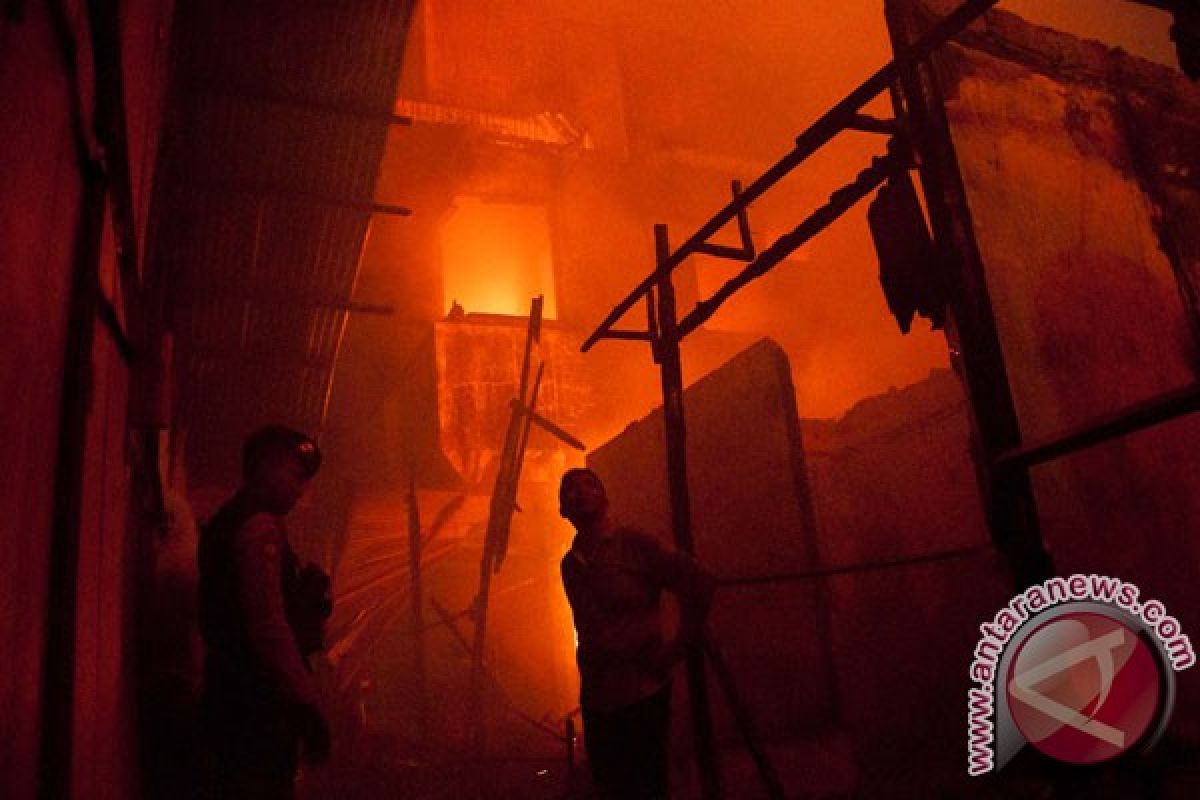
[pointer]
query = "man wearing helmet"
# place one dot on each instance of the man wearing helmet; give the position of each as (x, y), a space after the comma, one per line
(258, 613)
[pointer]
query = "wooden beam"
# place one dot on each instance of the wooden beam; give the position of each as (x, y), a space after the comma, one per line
(1125, 421)
(675, 432)
(198, 294)
(304, 102)
(839, 203)
(301, 197)
(821, 132)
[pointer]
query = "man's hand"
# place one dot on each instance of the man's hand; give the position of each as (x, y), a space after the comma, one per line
(314, 734)
(308, 608)
(314, 591)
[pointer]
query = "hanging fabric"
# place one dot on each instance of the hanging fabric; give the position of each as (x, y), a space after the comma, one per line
(909, 268)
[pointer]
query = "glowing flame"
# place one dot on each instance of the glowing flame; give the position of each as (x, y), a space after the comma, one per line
(495, 257)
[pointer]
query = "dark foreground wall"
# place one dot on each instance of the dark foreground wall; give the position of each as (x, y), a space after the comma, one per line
(47, 131)
(36, 229)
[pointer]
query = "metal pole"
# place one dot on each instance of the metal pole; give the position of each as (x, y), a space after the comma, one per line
(744, 721)
(681, 513)
(499, 520)
(476, 708)
(569, 737)
(416, 601)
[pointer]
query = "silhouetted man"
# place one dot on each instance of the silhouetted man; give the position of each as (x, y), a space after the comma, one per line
(260, 617)
(614, 577)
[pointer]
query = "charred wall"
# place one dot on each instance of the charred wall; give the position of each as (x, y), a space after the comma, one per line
(1079, 164)
(832, 666)
(892, 483)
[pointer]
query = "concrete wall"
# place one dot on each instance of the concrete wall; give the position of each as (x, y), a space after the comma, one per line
(1080, 167)
(751, 517)
(893, 480)
(839, 670)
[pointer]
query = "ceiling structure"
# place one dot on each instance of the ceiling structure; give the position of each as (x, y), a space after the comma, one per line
(275, 131)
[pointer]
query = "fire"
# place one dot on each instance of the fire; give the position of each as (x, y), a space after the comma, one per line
(495, 257)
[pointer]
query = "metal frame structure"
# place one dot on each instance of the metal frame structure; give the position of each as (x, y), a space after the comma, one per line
(665, 331)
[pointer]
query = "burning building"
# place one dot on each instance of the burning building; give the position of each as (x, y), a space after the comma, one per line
(337, 215)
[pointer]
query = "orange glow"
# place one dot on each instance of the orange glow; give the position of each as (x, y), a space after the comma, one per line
(496, 257)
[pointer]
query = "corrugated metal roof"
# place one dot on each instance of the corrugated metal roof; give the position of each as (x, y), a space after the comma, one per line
(276, 131)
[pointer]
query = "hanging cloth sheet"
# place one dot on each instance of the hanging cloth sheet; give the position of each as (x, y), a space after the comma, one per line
(909, 268)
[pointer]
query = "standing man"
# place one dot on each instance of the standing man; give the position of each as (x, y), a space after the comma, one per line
(614, 577)
(260, 617)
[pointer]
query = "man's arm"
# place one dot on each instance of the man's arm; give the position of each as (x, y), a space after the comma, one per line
(679, 573)
(259, 553)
